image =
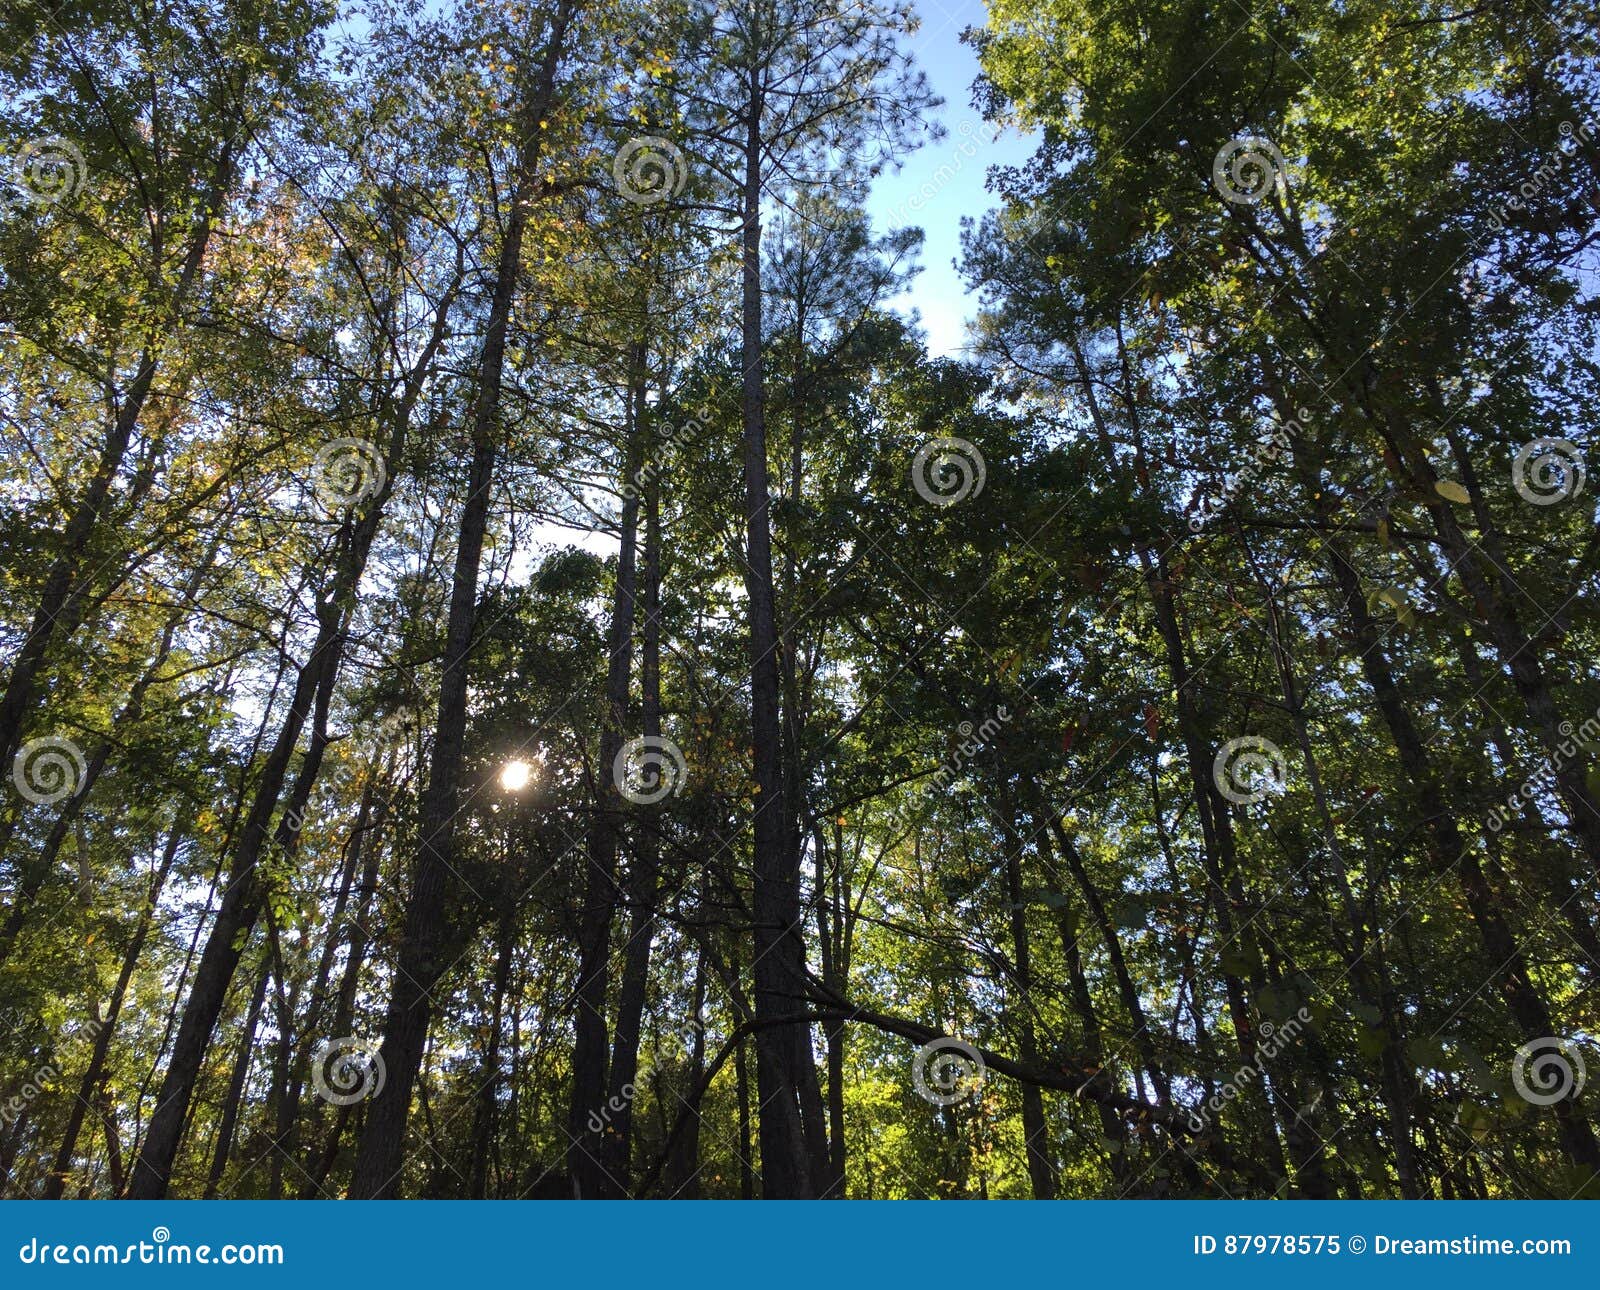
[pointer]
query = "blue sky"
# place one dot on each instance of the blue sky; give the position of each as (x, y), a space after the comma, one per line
(943, 181)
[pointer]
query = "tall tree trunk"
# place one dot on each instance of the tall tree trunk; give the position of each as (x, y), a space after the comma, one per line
(683, 1165)
(587, 1149)
(779, 952)
(1518, 653)
(1448, 851)
(647, 848)
(241, 904)
(286, 1137)
(1035, 1133)
(833, 941)
(314, 682)
(1113, 1130)
(741, 1079)
(485, 1112)
(234, 1098)
(422, 943)
(1446, 848)
(1361, 954)
(93, 1076)
(61, 584)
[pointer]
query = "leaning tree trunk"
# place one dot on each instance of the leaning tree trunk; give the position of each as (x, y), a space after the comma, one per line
(89, 1085)
(223, 1148)
(230, 930)
(243, 895)
(61, 583)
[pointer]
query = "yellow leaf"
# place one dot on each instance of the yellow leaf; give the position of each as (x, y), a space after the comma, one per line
(1452, 492)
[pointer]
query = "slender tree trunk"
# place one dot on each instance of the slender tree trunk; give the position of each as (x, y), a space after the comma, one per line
(1360, 953)
(1035, 1133)
(61, 584)
(1445, 847)
(422, 943)
(683, 1165)
(485, 1113)
(779, 953)
(1114, 1132)
(236, 1083)
(1518, 652)
(741, 1077)
(243, 895)
(647, 850)
(93, 1077)
(833, 941)
(587, 1149)
(241, 905)
(287, 1138)
(1447, 851)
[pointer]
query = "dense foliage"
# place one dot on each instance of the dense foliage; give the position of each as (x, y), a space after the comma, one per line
(523, 677)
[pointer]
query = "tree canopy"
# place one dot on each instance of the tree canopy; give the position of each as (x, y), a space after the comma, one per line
(524, 676)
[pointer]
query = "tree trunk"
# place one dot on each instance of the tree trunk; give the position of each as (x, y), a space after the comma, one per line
(236, 1082)
(89, 1085)
(779, 953)
(485, 1112)
(587, 1149)
(647, 849)
(422, 943)
(241, 905)
(1035, 1134)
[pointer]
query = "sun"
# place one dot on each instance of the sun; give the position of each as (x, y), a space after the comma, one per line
(516, 775)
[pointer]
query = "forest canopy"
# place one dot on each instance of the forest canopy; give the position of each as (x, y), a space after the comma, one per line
(525, 675)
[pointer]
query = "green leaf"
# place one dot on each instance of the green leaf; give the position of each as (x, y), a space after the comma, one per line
(1371, 1040)
(1235, 963)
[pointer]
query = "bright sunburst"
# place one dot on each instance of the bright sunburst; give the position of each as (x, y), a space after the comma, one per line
(516, 775)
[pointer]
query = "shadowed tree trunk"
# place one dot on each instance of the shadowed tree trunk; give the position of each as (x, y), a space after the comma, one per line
(643, 880)
(93, 1077)
(779, 954)
(588, 1150)
(424, 934)
(234, 1098)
